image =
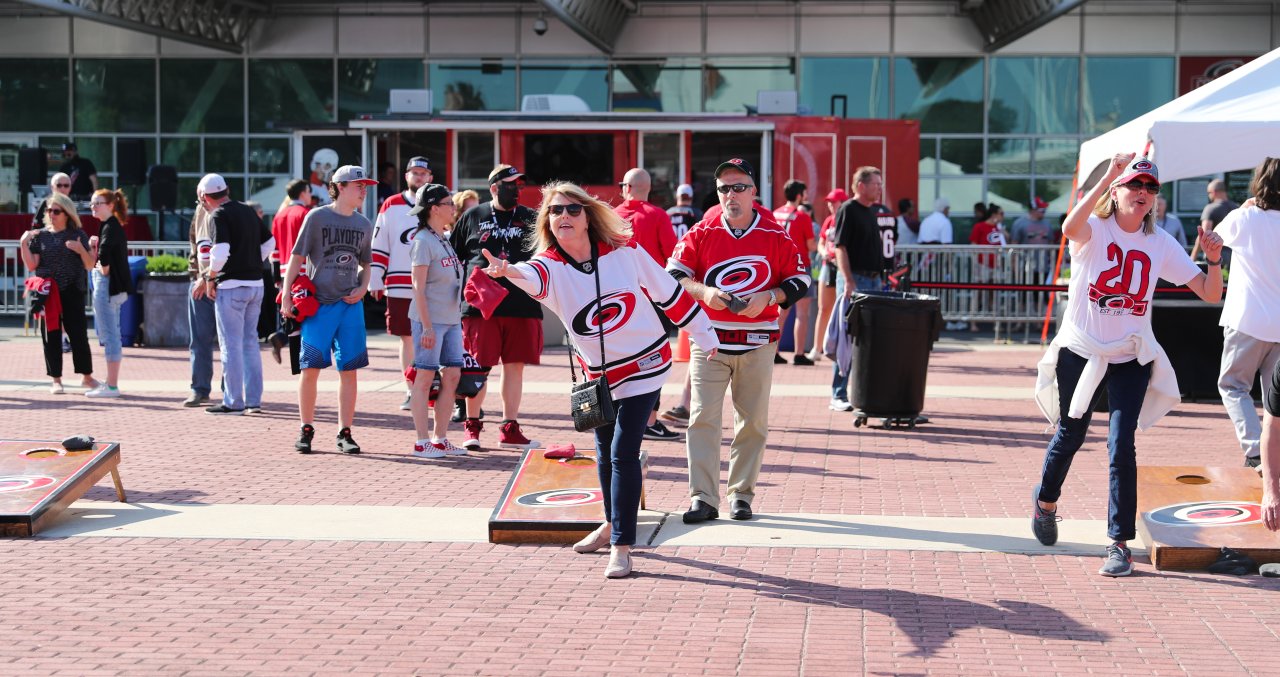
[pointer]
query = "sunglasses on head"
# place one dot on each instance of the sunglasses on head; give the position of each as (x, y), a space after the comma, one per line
(573, 209)
(736, 187)
(55, 211)
(1137, 185)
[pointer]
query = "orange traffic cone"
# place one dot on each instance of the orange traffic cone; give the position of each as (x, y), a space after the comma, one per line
(681, 353)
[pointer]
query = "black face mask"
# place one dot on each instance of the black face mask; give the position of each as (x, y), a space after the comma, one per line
(508, 193)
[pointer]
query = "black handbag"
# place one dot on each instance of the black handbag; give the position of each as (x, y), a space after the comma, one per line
(590, 402)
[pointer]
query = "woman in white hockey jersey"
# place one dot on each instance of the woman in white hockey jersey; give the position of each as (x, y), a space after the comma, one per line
(579, 239)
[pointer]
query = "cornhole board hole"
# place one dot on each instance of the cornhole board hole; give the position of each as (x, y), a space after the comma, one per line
(1188, 512)
(549, 501)
(38, 480)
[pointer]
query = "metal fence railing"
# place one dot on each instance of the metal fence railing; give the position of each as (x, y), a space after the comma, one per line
(13, 272)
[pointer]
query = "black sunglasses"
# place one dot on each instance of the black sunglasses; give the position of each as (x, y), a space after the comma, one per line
(1136, 185)
(63, 185)
(55, 211)
(736, 187)
(573, 209)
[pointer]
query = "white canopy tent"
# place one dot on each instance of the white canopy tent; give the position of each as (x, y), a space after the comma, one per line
(1228, 124)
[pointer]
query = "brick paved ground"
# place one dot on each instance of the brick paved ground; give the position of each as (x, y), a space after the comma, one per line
(86, 605)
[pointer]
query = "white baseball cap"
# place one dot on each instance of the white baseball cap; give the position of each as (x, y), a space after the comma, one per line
(684, 189)
(211, 183)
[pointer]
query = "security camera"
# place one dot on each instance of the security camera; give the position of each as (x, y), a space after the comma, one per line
(540, 26)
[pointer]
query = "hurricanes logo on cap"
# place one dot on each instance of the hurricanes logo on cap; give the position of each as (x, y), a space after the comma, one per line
(1142, 165)
(735, 161)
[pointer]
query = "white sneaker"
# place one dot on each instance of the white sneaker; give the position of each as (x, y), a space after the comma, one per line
(427, 450)
(405, 406)
(447, 447)
(838, 404)
(103, 390)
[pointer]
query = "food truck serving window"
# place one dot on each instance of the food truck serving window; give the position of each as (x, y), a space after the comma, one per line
(585, 159)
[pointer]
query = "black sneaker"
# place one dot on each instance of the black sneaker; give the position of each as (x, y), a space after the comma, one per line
(459, 411)
(801, 360)
(778, 359)
(345, 444)
(303, 445)
(1044, 523)
(223, 409)
(657, 431)
(1252, 461)
(1119, 561)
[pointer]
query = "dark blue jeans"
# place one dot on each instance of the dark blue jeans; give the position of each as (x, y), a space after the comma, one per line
(618, 462)
(203, 325)
(1126, 385)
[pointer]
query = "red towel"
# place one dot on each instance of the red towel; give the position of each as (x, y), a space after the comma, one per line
(44, 292)
(304, 298)
(483, 292)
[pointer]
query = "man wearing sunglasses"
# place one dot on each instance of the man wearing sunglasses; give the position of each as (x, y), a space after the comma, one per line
(742, 267)
(58, 183)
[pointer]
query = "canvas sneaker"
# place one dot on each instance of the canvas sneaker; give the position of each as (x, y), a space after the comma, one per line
(103, 390)
(425, 449)
(406, 405)
(303, 445)
(448, 447)
(657, 431)
(345, 444)
(511, 437)
(1119, 561)
(678, 414)
(1044, 523)
(838, 404)
(471, 428)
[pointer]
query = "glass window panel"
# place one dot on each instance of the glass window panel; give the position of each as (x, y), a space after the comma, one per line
(1034, 95)
(268, 191)
(487, 85)
(1118, 89)
(224, 155)
(962, 193)
(181, 153)
(1057, 192)
(662, 161)
(671, 86)
(945, 95)
(202, 96)
(33, 95)
(1013, 195)
(115, 95)
(364, 85)
(589, 83)
(928, 192)
(1008, 156)
(475, 160)
(864, 83)
(928, 156)
(584, 159)
(732, 84)
(961, 156)
(1056, 156)
(268, 155)
(101, 150)
(289, 91)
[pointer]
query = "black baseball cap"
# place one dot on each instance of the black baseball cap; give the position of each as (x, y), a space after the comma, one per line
(418, 161)
(428, 196)
(504, 173)
(738, 164)
(69, 146)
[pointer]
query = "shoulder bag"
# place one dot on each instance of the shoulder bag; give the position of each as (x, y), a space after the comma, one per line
(590, 402)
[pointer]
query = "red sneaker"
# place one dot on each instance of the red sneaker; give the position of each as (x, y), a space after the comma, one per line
(513, 438)
(471, 428)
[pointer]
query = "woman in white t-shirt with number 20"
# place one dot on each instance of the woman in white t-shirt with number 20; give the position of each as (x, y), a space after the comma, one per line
(1117, 254)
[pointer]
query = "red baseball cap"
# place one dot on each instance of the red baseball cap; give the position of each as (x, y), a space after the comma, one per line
(837, 195)
(1139, 167)
(1038, 203)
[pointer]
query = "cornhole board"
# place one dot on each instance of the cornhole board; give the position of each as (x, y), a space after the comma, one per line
(547, 501)
(1188, 512)
(38, 480)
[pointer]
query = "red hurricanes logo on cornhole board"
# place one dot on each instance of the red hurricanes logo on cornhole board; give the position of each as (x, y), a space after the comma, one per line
(1208, 514)
(560, 498)
(13, 483)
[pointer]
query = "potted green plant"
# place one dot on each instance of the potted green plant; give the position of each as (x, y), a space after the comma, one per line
(164, 291)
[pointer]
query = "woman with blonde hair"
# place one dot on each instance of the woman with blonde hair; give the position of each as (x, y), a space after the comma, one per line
(464, 201)
(112, 282)
(1105, 340)
(59, 252)
(588, 271)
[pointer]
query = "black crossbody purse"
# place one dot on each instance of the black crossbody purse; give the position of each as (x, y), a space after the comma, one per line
(590, 402)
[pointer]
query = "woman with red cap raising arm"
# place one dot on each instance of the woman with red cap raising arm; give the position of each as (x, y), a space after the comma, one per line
(1105, 339)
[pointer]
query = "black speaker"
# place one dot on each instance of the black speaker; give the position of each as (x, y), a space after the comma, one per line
(33, 168)
(162, 184)
(131, 162)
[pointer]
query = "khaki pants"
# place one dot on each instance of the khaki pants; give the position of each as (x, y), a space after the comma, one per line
(750, 376)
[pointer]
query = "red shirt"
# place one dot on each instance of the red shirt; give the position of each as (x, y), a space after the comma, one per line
(825, 246)
(284, 228)
(798, 224)
(650, 228)
(985, 232)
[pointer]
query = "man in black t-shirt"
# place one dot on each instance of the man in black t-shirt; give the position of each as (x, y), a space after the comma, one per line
(859, 248)
(84, 176)
(512, 336)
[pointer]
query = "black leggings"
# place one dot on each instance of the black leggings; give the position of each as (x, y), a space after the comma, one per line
(76, 326)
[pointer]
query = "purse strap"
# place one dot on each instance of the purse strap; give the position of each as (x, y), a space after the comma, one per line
(595, 269)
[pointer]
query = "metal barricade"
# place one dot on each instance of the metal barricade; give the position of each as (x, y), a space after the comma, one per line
(14, 272)
(979, 283)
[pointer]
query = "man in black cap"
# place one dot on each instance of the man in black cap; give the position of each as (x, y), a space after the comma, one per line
(512, 336)
(84, 176)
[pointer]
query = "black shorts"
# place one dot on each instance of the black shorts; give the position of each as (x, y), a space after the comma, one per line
(828, 274)
(1273, 398)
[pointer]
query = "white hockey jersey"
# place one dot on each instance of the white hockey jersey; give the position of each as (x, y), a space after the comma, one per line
(638, 355)
(392, 237)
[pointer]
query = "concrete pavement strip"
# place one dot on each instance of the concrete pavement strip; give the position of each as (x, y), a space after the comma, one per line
(661, 530)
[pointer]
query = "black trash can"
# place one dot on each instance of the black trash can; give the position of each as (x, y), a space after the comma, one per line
(893, 334)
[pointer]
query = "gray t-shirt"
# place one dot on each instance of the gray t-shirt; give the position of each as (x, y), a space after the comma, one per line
(335, 246)
(1026, 231)
(1216, 211)
(444, 277)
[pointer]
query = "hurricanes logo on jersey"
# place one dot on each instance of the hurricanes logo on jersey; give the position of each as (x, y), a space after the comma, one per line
(741, 275)
(614, 310)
